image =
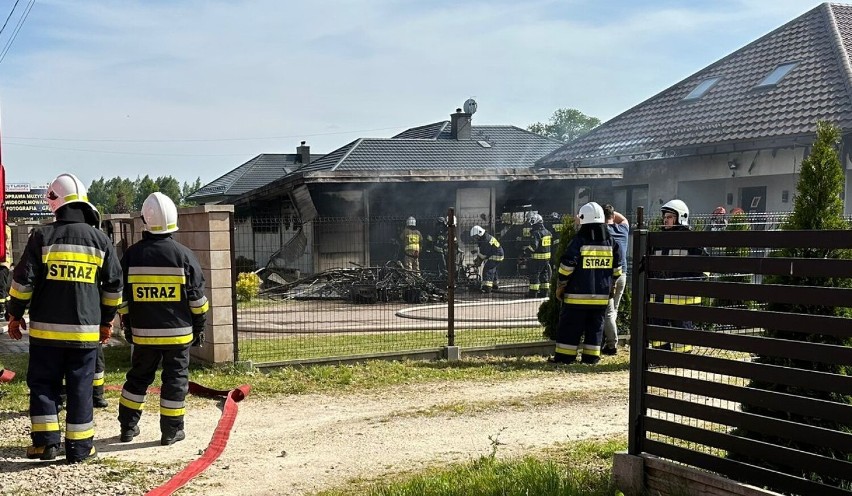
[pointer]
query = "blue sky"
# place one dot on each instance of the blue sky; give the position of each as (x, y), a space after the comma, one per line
(195, 88)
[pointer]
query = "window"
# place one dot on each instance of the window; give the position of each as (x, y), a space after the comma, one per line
(777, 75)
(702, 88)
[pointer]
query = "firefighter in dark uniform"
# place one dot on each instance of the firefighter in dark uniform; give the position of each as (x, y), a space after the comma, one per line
(675, 218)
(539, 264)
(556, 227)
(489, 253)
(163, 313)
(70, 276)
(586, 271)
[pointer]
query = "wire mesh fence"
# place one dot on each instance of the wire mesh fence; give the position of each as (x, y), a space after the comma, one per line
(343, 287)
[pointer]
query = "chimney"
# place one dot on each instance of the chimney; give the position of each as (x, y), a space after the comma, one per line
(304, 154)
(460, 125)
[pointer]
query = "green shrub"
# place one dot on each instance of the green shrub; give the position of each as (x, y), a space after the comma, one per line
(248, 286)
(548, 312)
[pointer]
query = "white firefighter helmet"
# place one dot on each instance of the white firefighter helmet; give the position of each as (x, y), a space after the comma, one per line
(476, 231)
(591, 213)
(159, 214)
(66, 189)
(535, 219)
(411, 222)
(679, 208)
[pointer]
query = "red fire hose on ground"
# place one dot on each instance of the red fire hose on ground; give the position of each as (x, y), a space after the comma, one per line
(6, 375)
(217, 442)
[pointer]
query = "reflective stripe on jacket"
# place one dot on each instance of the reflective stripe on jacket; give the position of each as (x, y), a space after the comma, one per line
(163, 292)
(70, 277)
(587, 269)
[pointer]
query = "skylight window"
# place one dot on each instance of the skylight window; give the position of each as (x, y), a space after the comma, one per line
(777, 75)
(702, 88)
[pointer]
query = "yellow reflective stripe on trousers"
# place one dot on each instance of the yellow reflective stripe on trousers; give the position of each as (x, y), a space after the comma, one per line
(44, 423)
(98, 380)
(132, 401)
(84, 333)
(541, 256)
(591, 350)
(566, 349)
(78, 432)
(171, 408)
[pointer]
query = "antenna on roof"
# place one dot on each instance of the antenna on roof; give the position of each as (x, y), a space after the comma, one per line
(470, 106)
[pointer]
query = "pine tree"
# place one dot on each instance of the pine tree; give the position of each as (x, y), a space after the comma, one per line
(817, 206)
(548, 312)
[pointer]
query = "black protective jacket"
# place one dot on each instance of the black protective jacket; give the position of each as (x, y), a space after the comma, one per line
(164, 302)
(70, 277)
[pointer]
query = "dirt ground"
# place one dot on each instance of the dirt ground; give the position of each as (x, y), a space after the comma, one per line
(292, 445)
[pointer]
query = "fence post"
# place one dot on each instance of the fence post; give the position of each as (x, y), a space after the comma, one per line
(638, 342)
(450, 256)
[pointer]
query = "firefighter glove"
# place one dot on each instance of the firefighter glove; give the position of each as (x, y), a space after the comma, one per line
(560, 291)
(16, 326)
(198, 339)
(106, 332)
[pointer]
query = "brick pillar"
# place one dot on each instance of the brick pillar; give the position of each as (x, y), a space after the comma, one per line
(206, 231)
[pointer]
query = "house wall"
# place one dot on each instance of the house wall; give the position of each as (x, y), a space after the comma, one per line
(705, 182)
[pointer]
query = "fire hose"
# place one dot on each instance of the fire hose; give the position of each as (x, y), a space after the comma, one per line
(217, 442)
(6, 375)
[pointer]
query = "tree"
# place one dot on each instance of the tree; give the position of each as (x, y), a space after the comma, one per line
(170, 187)
(566, 124)
(188, 189)
(548, 312)
(817, 206)
(145, 187)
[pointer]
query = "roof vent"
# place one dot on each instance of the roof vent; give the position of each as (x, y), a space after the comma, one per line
(484, 144)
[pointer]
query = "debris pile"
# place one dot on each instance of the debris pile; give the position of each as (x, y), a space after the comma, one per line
(360, 285)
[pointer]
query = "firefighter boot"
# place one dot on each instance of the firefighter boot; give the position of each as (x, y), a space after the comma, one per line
(172, 438)
(99, 402)
(92, 453)
(128, 433)
(46, 453)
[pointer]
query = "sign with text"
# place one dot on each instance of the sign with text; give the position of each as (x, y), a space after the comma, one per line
(26, 201)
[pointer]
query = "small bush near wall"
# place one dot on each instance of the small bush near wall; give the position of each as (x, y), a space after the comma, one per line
(248, 286)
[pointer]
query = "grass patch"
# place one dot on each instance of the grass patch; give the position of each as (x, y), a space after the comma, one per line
(293, 347)
(542, 399)
(580, 468)
(299, 379)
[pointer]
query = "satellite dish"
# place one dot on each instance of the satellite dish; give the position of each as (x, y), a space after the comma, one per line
(470, 106)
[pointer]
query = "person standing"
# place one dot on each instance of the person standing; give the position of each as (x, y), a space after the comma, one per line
(539, 265)
(163, 314)
(619, 230)
(586, 271)
(675, 218)
(411, 245)
(489, 253)
(70, 277)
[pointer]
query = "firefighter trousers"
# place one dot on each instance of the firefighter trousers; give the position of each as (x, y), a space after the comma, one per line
(489, 275)
(100, 368)
(143, 370)
(580, 322)
(539, 274)
(47, 367)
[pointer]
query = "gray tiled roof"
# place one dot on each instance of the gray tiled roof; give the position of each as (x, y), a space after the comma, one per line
(489, 147)
(257, 172)
(818, 88)
(429, 131)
